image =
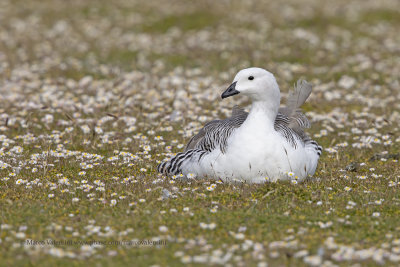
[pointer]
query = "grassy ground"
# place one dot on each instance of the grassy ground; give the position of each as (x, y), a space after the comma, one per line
(93, 94)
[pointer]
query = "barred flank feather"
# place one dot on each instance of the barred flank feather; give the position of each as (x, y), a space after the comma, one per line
(317, 147)
(173, 166)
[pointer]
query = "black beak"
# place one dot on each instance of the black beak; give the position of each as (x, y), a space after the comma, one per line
(230, 91)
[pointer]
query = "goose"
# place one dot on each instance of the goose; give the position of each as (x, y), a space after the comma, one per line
(268, 143)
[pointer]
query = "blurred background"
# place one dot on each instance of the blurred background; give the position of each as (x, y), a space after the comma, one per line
(322, 39)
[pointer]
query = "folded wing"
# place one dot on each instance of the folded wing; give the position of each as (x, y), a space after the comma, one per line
(216, 133)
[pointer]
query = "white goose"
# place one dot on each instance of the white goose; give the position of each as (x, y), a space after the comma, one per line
(266, 144)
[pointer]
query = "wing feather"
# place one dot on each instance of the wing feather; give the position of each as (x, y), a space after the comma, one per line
(216, 133)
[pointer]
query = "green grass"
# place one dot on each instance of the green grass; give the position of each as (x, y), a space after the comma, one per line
(185, 22)
(384, 15)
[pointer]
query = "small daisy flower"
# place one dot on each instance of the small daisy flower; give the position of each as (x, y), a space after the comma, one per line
(347, 189)
(290, 174)
(191, 176)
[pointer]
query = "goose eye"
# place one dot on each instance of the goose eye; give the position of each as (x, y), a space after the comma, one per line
(251, 78)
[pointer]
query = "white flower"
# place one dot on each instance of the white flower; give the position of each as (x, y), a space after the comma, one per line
(313, 260)
(211, 187)
(17, 149)
(186, 259)
(20, 235)
(69, 129)
(64, 180)
(242, 229)
(163, 228)
(210, 226)
(347, 189)
(239, 236)
(98, 130)
(191, 176)
(346, 82)
(48, 118)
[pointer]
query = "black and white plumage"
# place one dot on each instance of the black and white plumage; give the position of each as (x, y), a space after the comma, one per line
(269, 143)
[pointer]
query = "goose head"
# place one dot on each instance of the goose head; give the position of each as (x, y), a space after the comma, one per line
(256, 83)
